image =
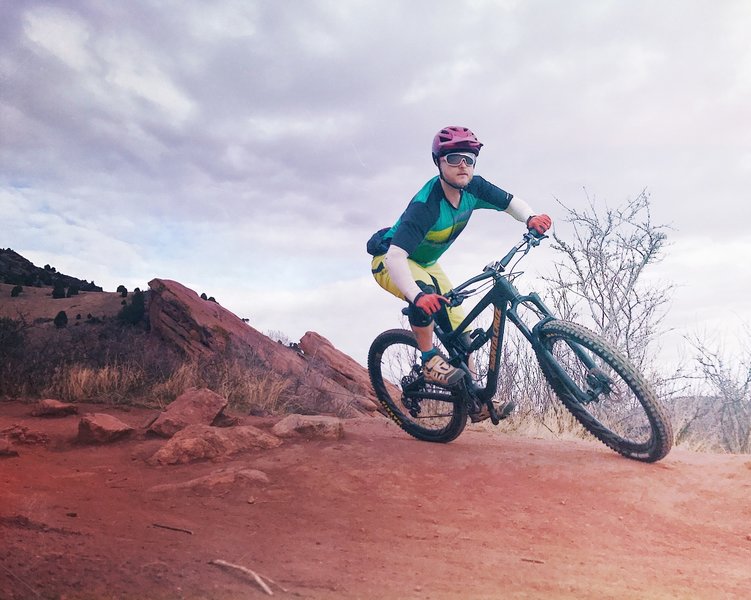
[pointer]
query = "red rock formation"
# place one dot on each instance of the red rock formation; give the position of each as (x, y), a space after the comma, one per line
(341, 368)
(201, 442)
(199, 327)
(100, 428)
(192, 407)
(50, 407)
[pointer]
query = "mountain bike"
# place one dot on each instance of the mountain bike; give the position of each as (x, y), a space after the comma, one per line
(599, 386)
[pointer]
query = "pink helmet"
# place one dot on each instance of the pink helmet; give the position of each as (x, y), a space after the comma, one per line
(455, 139)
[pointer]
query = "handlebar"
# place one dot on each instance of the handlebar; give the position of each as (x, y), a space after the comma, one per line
(530, 240)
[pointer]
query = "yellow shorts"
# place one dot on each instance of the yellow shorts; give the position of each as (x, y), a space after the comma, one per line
(432, 275)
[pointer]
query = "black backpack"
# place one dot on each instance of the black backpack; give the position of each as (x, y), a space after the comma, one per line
(377, 245)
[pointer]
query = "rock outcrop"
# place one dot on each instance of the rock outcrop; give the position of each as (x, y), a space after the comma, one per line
(220, 478)
(203, 442)
(336, 365)
(101, 428)
(6, 448)
(310, 427)
(193, 407)
(198, 327)
(53, 408)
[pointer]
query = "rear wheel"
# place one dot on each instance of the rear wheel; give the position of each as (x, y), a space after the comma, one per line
(425, 411)
(609, 397)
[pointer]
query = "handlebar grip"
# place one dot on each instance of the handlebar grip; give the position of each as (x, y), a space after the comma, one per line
(535, 237)
(536, 234)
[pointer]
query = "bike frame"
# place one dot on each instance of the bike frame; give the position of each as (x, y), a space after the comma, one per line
(506, 300)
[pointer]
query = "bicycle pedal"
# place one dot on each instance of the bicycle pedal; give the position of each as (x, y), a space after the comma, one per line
(506, 410)
(480, 416)
(496, 416)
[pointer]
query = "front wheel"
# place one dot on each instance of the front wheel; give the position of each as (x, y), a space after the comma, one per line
(604, 391)
(425, 411)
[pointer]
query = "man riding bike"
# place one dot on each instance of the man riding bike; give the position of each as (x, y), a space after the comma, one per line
(405, 255)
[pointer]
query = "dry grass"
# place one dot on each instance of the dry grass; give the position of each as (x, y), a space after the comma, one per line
(184, 376)
(247, 389)
(552, 421)
(265, 393)
(111, 363)
(77, 383)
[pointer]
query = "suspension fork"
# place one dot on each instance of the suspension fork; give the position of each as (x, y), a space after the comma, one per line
(598, 382)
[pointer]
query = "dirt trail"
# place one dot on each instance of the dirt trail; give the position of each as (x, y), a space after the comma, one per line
(375, 515)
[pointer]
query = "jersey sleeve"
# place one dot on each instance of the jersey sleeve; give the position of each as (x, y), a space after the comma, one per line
(489, 195)
(413, 226)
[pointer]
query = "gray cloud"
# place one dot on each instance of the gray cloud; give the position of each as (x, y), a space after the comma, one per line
(272, 137)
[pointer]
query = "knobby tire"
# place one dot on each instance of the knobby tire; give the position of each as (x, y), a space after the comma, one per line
(629, 419)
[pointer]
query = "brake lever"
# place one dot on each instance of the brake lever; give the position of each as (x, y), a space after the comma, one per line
(456, 299)
(534, 238)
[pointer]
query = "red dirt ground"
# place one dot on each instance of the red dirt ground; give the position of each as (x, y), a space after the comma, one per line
(375, 515)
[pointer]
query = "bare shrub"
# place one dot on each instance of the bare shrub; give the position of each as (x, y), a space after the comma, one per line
(720, 413)
(278, 336)
(599, 279)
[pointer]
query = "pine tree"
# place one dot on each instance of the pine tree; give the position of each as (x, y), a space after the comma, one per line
(58, 291)
(61, 320)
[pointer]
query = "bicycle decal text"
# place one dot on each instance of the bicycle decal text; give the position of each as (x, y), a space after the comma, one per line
(495, 336)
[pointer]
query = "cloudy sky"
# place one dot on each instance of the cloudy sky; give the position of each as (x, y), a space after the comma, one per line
(248, 149)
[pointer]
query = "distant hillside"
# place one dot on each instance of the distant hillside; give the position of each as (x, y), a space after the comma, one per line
(16, 270)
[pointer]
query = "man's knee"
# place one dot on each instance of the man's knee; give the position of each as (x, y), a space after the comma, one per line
(416, 316)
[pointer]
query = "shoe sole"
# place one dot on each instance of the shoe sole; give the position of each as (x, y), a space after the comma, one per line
(503, 414)
(446, 384)
(507, 410)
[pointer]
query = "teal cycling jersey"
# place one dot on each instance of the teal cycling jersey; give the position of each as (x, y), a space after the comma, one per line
(430, 224)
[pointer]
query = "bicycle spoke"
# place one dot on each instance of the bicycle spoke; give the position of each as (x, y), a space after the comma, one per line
(424, 410)
(604, 392)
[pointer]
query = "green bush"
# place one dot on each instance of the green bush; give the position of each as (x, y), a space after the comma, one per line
(58, 290)
(16, 291)
(12, 342)
(133, 313)
(11, 335)
(61, 319)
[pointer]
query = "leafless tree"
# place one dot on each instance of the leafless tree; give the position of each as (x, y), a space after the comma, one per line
(599, 278)
(729, 400)
(599, 281)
